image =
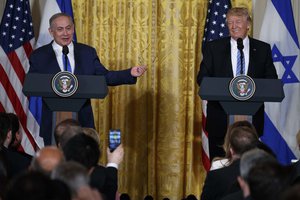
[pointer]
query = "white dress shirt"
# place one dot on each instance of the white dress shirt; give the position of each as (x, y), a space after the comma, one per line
(234, 50)
(58, 52)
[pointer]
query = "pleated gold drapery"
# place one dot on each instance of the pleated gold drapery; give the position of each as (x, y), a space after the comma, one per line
(160, 116)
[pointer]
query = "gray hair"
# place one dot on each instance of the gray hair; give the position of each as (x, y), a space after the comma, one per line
(251, 158)
(57, 15)
(73, 174)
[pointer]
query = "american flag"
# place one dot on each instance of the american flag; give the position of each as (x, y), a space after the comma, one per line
(215, 28)
(16, 44)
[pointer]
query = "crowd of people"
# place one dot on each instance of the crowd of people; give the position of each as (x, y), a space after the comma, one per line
(70, 170)
(249, 170)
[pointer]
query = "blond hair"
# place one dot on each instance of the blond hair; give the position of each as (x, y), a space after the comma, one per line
(92, 133)
(239, 11)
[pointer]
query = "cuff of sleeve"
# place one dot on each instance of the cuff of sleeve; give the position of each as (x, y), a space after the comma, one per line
(112, 165)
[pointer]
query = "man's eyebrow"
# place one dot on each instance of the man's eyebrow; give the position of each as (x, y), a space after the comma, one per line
(64, 26)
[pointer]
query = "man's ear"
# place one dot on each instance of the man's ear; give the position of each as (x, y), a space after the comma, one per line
(8, 139)
(244, 186)
(50, 31)
(231, 151)
(9, 135)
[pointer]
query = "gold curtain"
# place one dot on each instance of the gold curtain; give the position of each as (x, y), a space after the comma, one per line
(160, 116)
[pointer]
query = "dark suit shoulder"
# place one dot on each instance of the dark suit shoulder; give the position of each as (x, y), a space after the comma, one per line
(83, 46)
(259, 42)
(17, 162)
(219, 182)
(218, 42)
(42, 50)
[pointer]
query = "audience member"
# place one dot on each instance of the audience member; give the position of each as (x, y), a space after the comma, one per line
(268, 180)
(85, 150)
(92, 133)
(70, 126)
(148, 197)
(191, 197)
(124, 196)
(16, 134)
(296, 165)
(3, 175)
(36, 186)
(46, 159)
(5, 132)
(220, 162)
(76, 177)
(292, 193)
(219, 183)
(16, 161)
(249, 159)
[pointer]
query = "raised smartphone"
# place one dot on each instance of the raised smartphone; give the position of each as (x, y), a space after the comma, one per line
(114, 139)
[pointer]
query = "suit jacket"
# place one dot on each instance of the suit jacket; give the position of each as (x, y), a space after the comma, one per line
(220, 182)
(217, 63)
(16, 162)
(105, 180)
(43, 61)
(234, 196)
(295, 174)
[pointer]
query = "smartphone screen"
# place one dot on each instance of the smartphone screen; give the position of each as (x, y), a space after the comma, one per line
(114, 139)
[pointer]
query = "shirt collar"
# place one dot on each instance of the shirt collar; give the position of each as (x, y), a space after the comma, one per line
(245, 42)
(57, 47)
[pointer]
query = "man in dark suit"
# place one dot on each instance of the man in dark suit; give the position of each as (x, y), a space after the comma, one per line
(16, 162)
(220, 182)
(83, 60)
(84, 149)
(220, 59)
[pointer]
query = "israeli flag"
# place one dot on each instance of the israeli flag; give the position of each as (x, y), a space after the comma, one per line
(282, 120)
(52, 7)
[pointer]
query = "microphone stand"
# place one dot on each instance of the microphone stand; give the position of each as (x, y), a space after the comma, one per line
(242, 60)
(65, 52)
(66, 62)
(240, 47)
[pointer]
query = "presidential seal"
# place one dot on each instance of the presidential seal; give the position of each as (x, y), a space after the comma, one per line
(64, 84)
(242, 87)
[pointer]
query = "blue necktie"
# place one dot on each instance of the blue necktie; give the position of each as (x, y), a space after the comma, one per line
(64, 58)
(239, 66)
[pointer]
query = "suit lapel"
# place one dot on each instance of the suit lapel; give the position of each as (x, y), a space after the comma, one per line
(228, 63)
(252, 55)
(53, 62)
(76, 59)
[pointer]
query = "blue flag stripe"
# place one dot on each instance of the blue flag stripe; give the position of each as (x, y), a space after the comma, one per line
(273, 139)
(284, 9)
(66, 7)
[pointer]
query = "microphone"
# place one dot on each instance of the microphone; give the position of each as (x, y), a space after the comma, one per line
(65, 51)
(240, 47)
(240, 44)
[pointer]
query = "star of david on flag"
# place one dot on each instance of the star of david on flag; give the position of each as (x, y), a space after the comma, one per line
(282, 121)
